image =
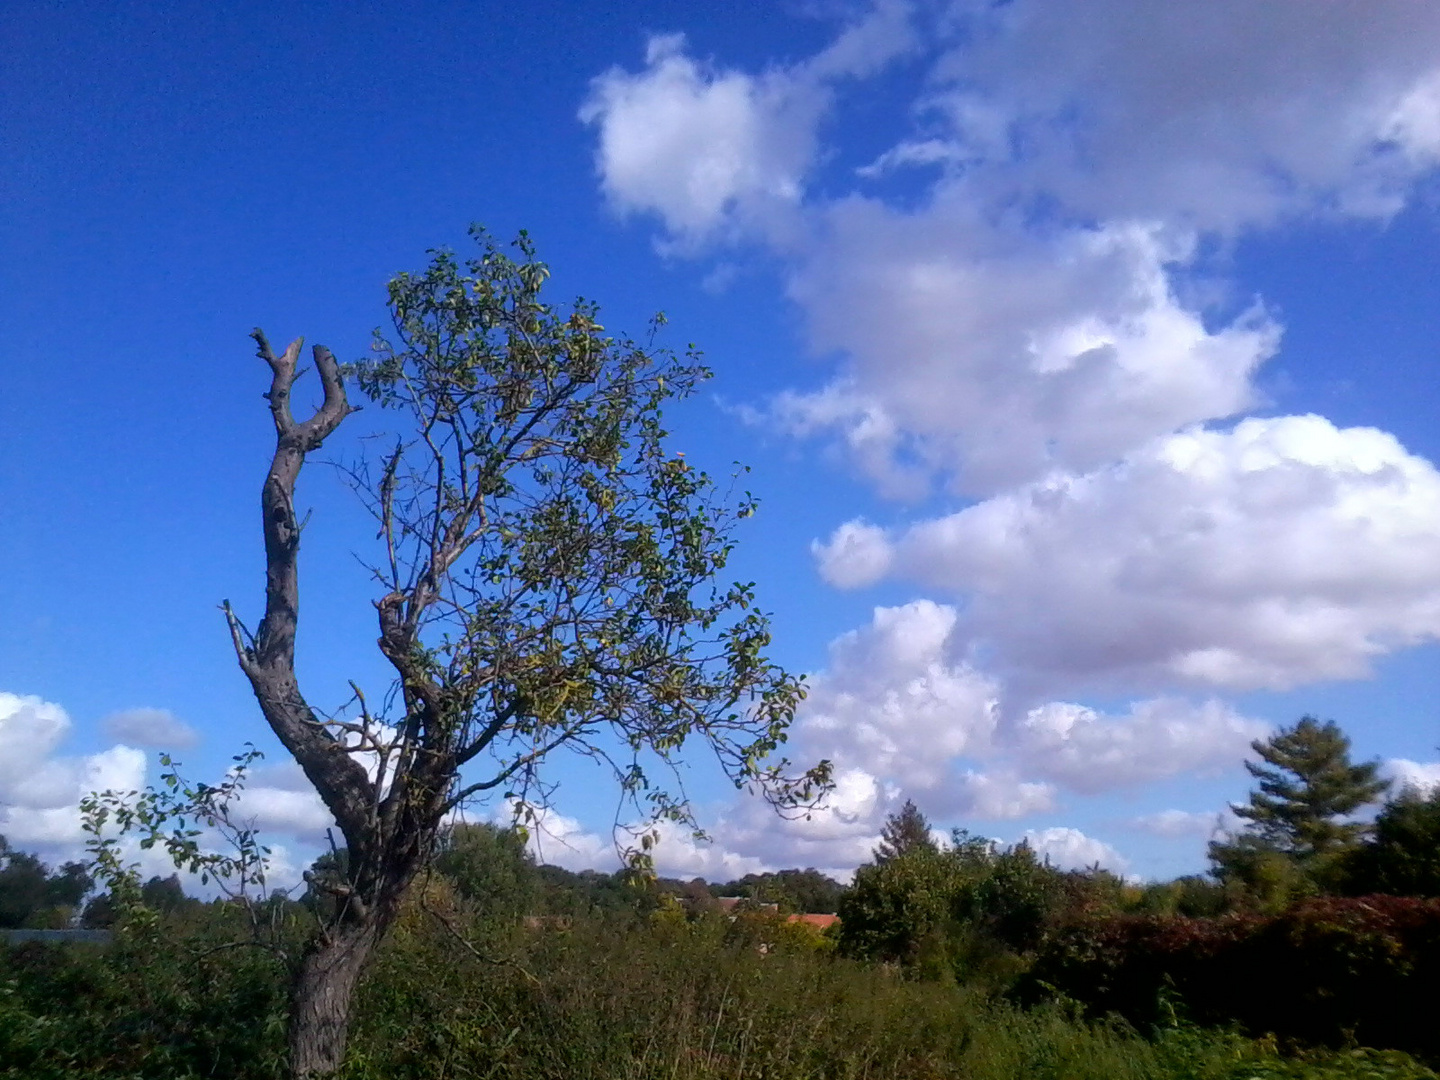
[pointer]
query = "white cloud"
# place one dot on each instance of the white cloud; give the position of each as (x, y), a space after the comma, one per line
(856, 554)
(698, 146)
(40, 791)
(712, 151)
(1182, 824)
(1071, 849)
(678, 854)
(1034, 307)
(1090, 752)
(558, 839)
(836, 837)
(1220, 114)
(1002, 796)
(1280, 552)
(892, 702)
(989, 354)
(278, 811)
(1424, 776)
(156, 728)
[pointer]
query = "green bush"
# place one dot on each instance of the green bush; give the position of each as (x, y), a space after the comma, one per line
(1326, 971)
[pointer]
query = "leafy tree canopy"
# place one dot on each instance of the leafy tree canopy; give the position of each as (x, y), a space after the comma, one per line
(1403, 855)
(490, 866)
(31, 894)
(796, 891)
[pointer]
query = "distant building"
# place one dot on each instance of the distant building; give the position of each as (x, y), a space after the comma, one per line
(820, 922)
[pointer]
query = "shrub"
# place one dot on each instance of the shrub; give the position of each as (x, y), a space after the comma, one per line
(1327, 971)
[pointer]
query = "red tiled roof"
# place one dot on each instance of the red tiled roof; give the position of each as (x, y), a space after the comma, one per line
(820, 922)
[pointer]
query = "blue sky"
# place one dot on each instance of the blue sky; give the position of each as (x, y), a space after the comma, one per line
(1086, 365)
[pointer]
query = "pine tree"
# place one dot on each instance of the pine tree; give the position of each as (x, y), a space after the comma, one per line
(904, 832)
(1308, 788)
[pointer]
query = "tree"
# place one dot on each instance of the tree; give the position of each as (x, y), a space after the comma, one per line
(903, 832)
(490, 867)
(1300, 827)
(547, 578)
(796, 891)
(899, 910)
(165, 895)
(1308, 788)
(32, 895)
(1403, 856)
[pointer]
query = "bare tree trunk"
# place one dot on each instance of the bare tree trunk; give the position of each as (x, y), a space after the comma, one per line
(320, 999)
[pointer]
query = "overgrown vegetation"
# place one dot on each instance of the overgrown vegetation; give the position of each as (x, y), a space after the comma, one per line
(961, 960)
(626, 995)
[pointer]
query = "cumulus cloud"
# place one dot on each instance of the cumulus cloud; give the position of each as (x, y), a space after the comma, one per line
(1034, 307)
(1090, 752)
(710, 150)
(279, 799)
(1037, 307)
(40, 790)
(1183, 824)
(1071, 849)
(893, 702)
(990, 354)
(1002, 796)
(1018, 303)
(836, 837)
(856, 554)
(698, 146)
(156, 728)
(1220, 114)
(679, 854)
(1404, 773)
(558, 839)
(1280, 552)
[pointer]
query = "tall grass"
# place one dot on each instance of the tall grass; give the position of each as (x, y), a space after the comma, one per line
(703, 1002)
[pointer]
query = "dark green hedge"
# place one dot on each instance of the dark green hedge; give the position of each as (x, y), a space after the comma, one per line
(1328, 971)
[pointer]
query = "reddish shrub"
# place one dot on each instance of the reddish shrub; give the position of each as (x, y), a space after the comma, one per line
(1326, 971)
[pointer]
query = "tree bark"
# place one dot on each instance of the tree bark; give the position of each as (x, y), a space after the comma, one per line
(321, 996)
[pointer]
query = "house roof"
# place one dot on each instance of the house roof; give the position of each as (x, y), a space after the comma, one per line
(820, 922)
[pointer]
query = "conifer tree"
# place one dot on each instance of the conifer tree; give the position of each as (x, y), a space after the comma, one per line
(904, 831)
(1308, 788)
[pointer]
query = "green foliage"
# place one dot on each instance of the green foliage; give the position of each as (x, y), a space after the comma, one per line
(1307, 789)
(1192, 896)
(175, 817)
(489, 867)
(1300, 833)
(1403, 855)
(972, 911)
(795, 891)
(589, 893)
(904, 832)
(164, 895)
(1327, 971)
(166, 999)
(900, 911)
(565, 560)
(1255, 876)
(32, 895)
(605, 1000)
